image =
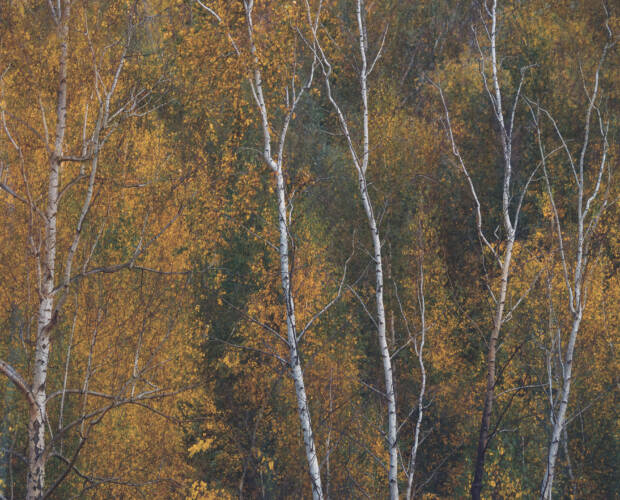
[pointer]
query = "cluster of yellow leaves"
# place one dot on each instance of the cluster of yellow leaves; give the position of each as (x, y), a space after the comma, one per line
(200, 446)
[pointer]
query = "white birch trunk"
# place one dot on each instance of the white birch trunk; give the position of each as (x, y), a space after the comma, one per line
(587, 222)
(38, 414)
(360, 162)
(376, 244)
(275, 164)
(560, 417)
(383, 345)
(291, 330)
(510, 228)
(510, 224)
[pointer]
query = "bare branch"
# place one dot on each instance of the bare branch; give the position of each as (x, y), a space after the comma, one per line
(18, 380)
(472, 189)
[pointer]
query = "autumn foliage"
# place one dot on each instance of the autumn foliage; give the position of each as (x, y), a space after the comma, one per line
(195, 301)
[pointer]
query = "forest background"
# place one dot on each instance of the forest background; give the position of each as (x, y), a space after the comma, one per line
(295, 249)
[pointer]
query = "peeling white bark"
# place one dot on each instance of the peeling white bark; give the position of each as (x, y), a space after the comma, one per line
(37, 457)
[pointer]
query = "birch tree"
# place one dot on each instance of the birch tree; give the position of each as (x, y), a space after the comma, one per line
(591, 173)
(57, 253)
(503, 256)
(148, 350)
(273, 155)
(418, 345)
(359, 150)
(35, 392)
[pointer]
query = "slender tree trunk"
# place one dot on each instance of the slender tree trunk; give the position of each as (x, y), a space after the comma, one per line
(360, 162)
(489, 395)
(285, 275)
(36, 425)
(560, 418)
(586, 228)
(383, 345)
(256, 83)
(420, 353)
(291, 329)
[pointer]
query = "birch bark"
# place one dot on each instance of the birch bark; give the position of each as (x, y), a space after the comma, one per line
(276, 165)
(52, 287)
(588, 218)
(360, 162)
(509, 222)
(38, 414)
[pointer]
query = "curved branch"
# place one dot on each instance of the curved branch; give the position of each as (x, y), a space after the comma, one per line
(18, 380)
